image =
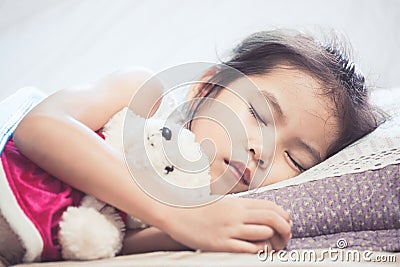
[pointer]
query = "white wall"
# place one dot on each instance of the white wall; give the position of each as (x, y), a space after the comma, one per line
(52, 44)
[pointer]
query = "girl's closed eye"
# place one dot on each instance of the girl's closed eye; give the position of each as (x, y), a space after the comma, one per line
(256, 115)
(294, 163)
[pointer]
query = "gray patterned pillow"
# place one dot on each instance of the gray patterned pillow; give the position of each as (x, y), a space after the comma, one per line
(362, 208)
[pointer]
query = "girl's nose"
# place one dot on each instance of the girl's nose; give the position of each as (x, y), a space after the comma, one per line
(261, 146)
(256, 154)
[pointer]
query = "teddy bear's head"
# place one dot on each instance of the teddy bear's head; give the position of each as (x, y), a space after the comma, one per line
(160, 148)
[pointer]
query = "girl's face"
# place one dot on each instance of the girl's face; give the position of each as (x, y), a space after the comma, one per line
(251, 143)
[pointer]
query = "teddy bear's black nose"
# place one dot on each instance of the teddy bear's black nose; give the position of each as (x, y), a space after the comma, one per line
(169, 169)
(166, 133)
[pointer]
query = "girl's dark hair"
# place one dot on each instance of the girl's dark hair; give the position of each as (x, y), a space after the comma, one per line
(330, 64)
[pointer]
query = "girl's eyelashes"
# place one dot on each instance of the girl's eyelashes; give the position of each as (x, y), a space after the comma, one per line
(256, 115)
(295, 164)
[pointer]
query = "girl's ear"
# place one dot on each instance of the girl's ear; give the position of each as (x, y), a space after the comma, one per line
(197, 87)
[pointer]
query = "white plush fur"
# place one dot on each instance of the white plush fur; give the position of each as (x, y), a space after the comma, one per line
(86, 233)
(126, 130)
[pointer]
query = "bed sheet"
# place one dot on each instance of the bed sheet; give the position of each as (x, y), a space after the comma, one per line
(205, 259)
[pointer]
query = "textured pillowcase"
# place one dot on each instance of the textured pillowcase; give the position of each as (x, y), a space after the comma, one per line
(356, 208)
(352, 199)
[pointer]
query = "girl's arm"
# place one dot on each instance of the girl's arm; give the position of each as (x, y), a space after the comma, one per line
(58, 135)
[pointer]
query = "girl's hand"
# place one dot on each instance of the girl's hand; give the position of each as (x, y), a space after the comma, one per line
(230, 224)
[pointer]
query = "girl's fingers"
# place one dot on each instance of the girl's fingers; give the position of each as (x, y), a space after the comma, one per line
(254, 232)
(268, 205)
(263, 244)
(277, 242)
(269, 218)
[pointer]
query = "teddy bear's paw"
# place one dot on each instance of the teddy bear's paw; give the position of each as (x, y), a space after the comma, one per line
(86, 234)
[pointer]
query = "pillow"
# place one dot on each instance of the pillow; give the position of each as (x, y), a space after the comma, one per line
(352, 199)
(361, 209)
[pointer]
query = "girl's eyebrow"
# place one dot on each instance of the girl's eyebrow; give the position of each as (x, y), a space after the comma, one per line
(271, 99)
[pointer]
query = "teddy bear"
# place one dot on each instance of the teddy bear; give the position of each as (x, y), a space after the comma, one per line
(158, 150)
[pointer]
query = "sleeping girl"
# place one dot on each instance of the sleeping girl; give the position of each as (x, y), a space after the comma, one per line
(310, 102)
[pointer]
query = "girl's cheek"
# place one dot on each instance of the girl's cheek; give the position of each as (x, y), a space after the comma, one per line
(279, 171)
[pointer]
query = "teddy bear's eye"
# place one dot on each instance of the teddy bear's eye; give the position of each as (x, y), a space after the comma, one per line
(166, 133)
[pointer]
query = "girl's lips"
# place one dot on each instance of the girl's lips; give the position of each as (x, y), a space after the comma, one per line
(240, 171)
